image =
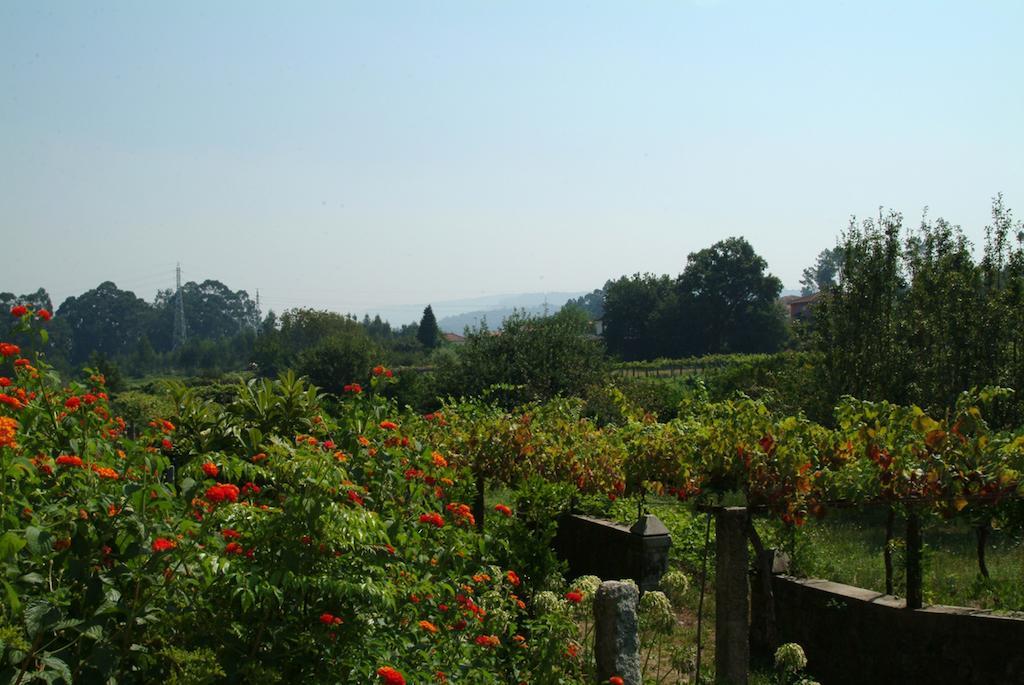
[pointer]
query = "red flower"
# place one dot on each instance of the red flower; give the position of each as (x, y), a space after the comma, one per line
(9, 350)
(163, 544)
(44, 315)
(616, 680)
(502, 509)
(69, 460)
(5, 382)
(22, 362)
(210, 469)
(19, 310)
(389, 425)
(354, 497)
(167, 444)
(433, 519)
(390, 676)
(330, 619)
(574, 597)
(513, 578)
(378, 370)
(353, 388)
(12, 402)
(257, 458)
(222, 492)
(233, 548)
(487, 640)
(230, 533)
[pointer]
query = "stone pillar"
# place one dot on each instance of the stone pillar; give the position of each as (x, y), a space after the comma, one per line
(616, 632)
(732, 646)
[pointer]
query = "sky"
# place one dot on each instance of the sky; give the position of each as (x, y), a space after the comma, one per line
(356, 156)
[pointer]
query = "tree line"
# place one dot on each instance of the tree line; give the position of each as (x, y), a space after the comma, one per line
(914, 317)
(724, 301)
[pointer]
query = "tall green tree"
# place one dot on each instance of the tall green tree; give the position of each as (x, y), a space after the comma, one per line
(823, 273)
(428, 334)
(106, 320)
(727, 302)
(914, 318)
(631, 313)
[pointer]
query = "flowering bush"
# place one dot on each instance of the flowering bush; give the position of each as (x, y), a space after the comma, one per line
(261, 542)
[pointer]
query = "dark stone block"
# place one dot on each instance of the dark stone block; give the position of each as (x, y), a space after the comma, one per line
(610, 551)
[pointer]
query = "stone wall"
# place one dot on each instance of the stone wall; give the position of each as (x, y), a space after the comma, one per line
(854, 636)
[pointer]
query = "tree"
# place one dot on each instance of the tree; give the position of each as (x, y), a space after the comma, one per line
(727, 303)
(822, 274)
(858, 322)
(212, 311)
(338, 360)
(630, 307)
(530, 358)
(105, 320)
(428, 333)
(329, 348)
(592, 303)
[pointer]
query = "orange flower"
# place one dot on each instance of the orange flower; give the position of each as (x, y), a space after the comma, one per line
(439, 460)
(428, 626)
(487, 640)
(210, 469)
(513, 578)
(390, 676)
(388, 425)
(69, 460)
(8, 429)
(502, 509)
(104, 472)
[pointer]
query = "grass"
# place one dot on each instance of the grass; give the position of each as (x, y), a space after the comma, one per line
(847, 547)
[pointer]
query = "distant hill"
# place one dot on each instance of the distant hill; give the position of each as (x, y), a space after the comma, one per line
(497, 308)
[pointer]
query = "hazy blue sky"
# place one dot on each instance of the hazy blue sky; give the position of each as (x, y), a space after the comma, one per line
(356, 155)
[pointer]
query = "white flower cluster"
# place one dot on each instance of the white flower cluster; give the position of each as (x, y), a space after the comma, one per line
(547, 602)
(790, 658)
(675, 584)
(655, 613)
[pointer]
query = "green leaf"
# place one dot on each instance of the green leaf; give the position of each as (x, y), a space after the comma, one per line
(12, 597)
(59, 666)
(10, 544)
(38, 540)
(45, 337)
(38, 616)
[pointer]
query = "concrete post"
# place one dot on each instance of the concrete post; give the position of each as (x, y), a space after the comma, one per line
(732, 646)
(616, 632)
